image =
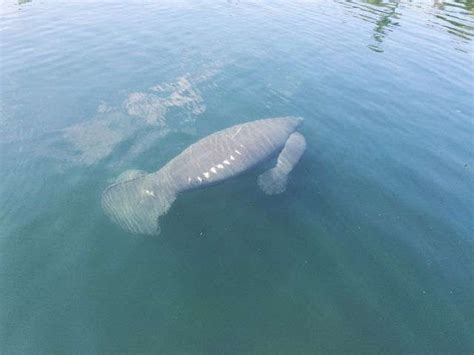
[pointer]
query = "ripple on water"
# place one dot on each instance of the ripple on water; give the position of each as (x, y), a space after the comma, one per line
(368, 251)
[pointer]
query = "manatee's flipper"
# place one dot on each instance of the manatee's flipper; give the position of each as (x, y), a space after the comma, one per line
(273, 181)
(136, 204)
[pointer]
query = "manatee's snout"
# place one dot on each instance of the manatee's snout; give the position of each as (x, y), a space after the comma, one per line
(298, 120)
(292, 122)
(136, 205)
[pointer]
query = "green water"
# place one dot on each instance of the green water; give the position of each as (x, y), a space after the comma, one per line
(369, 251)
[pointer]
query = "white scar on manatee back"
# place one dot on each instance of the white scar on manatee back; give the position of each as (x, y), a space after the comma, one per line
(137, 199)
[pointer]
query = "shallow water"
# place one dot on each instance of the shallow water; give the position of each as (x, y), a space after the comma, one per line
(370, 249)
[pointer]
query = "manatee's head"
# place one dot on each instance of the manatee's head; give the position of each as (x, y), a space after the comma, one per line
(296, 121)
(288, 124)
(136, 204)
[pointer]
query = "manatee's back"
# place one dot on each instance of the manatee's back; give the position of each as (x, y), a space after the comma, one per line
(229, 152)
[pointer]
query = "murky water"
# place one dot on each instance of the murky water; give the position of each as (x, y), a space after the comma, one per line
(370, 249)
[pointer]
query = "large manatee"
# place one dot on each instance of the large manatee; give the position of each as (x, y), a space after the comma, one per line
(137, 199)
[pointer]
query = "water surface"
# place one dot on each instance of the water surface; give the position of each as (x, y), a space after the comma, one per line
(370, 249)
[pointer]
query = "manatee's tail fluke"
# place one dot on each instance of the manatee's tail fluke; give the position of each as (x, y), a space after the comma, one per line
(136, 204)
(274, 180)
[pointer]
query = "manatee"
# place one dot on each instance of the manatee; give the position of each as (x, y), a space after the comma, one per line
(138, 199)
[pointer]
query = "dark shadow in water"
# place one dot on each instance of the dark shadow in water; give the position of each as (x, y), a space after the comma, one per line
(383, 25)
(383, 14)
(454, 17)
